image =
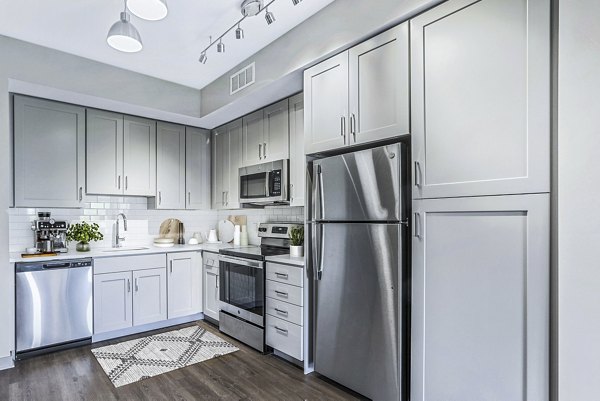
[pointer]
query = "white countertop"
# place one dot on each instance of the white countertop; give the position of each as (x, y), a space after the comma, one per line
(110, 252)
(287, 259)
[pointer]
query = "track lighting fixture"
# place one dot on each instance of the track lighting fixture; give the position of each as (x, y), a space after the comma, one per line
(296, 2)
(123, 36)
(269, 17)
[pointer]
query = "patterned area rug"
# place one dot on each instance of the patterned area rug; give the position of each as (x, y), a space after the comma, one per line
(135, 360)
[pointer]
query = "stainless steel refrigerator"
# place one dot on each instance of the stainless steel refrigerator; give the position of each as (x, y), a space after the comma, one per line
(358, 261)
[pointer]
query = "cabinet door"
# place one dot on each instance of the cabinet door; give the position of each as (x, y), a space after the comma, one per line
(326, 97)
(149, 296)
(232, 195)
(112, 301)
(481, 124)
(379, 87)
(104, 149)
(197, 170)
(185, 286)
(170, 166)
(252, 139)
(480, 298)
(139, 156)
(211, 295)
(49, 153)
(297, 161)
(220, 169)
(276, 134)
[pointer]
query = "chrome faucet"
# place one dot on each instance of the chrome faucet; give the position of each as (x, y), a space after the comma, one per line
(118, 237)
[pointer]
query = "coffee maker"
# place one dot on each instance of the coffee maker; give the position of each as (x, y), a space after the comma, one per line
(49, 235)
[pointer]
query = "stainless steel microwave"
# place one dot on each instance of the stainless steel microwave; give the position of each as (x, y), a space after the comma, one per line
(265, 184)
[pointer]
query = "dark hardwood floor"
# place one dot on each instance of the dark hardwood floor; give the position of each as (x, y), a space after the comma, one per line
(243, 375)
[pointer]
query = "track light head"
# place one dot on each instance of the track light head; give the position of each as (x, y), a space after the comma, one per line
(203, 58)
(269, 17)
(220, 46)
(239, 32)
(296, 2)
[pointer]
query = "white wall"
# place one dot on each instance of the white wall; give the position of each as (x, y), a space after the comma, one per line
(38, 65)
(579, 200)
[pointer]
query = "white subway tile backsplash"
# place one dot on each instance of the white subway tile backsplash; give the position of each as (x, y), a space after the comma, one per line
(143, 224)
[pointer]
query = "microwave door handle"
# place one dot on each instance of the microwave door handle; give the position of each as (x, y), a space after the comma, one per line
(267, 184)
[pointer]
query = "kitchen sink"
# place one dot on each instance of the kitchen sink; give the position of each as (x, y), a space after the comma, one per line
(126, 249)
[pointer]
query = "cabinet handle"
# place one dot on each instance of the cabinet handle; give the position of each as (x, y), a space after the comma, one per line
(119, 182)
(223, 198)
(353, 126)
(342, 124)
(417, 174)
(217, 283)
(136, 286)
(128, 285)
(259, 151)
(80, 194)
(418, 226)
(281, 330)
(265, 150)
(281, 294)
(226, 198)
(171, 267)
(292, 192)
(159, 198)
(126, 183)
(282, 275)
(283, 312)
(189, 197)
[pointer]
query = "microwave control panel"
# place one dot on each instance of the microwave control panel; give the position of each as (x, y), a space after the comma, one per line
(275, 183)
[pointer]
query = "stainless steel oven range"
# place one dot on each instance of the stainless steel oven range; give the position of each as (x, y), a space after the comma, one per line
(242, 284)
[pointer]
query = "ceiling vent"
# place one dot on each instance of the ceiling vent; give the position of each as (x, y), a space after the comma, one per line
(242, 79)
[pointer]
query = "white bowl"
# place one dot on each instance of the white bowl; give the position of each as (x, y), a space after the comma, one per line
(166, 245)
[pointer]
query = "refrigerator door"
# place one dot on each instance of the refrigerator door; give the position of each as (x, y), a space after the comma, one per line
(359, 186)
(357, 340)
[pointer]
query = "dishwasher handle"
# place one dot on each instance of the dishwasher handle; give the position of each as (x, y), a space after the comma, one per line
(56, 265)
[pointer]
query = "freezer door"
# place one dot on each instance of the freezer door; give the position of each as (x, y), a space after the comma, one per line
(359, 186)
(357, 340)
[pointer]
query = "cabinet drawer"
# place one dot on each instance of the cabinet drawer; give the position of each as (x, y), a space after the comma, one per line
(285, 337)
(210, 259)
(285, 274)
(129, 263)
(285, 311)
(284, 292)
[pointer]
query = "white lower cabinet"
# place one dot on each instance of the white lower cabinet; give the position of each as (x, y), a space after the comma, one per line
(149, 296)
(480, 298)
(112, 302)
(184, 281)
(211, 285)
(284, 325)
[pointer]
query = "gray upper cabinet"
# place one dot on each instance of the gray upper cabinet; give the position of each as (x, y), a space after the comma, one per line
(197, 160)
(276, 132)
(227, 159)
(379, 87)
(359, 96)
(297, 162)
(480, 298)
(252, 139)
(170, 166)
(139, 156)
(49, 153)
(326, 101)
(104, 153)
(121, 154)
(480, 93)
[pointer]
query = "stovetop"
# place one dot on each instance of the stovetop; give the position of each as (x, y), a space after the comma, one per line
(255, 252)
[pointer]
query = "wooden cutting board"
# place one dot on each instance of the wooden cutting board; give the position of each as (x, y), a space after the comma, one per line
(38, 255)
(238, 220)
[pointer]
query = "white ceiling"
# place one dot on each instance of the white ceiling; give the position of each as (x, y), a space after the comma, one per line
(171, 46)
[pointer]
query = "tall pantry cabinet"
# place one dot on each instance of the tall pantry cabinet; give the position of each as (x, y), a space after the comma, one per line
(480, 93)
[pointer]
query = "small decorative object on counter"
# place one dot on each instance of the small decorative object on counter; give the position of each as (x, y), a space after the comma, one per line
(237, 236)
(83, 233)
(244, 236)
(212, 236)
(297, 241)
(181, 240)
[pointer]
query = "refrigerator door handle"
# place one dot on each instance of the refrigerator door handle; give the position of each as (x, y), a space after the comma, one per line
(320, 247)
(320, 191)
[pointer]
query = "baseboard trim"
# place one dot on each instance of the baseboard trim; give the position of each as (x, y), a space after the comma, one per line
(146, 327)
(6, 363)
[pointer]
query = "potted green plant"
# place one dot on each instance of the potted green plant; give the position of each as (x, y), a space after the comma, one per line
(297, 241)
(83, 233)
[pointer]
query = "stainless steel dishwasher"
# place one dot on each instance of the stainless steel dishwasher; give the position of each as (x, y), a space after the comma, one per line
(53, 305)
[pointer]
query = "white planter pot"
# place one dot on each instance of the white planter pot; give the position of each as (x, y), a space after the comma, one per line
(297, 251)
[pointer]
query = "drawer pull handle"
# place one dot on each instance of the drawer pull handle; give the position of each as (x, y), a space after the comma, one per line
(281, 330)
(282, 294)
(283, 312)
(282, 275)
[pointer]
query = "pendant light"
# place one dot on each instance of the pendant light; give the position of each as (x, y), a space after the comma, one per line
(151, 10)
(123, 36)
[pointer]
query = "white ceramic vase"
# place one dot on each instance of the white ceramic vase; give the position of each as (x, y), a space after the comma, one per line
(297, 251)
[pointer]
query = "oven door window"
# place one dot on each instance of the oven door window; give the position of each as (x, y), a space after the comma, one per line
(243, 287)
(253, 186)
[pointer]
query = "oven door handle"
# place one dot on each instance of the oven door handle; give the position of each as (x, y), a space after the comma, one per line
(240, 261)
